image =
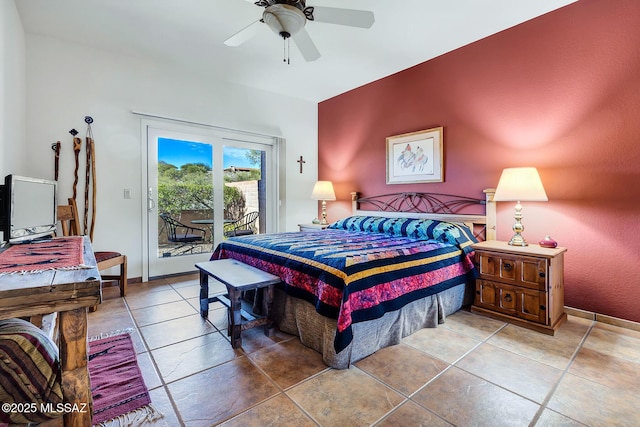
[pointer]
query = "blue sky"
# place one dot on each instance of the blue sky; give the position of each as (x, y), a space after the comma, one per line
(178, 153)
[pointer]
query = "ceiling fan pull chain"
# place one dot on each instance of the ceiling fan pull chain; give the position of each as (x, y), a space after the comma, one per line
(286, 50)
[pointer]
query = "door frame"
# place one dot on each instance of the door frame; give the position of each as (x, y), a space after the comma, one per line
(273, 182)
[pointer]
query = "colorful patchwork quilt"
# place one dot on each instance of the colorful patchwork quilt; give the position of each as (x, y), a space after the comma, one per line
(354, 276)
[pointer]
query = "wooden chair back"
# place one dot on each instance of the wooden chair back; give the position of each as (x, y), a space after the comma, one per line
(68, 217)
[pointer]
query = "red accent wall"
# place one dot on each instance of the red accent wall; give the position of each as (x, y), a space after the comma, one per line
(560, 92)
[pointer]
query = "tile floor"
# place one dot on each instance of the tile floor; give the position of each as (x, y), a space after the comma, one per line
(470, 371)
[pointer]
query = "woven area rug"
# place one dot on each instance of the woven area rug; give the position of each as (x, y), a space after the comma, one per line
(59, 253)
(120, 396)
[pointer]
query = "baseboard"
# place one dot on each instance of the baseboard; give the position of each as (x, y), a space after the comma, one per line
(576, 312)
(602, 318)
(109, 283)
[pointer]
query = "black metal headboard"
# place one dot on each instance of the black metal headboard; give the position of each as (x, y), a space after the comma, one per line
(419, 202)
(444, 207)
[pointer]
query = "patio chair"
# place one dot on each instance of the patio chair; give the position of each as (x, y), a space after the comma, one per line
(186, 236)
(243, 226)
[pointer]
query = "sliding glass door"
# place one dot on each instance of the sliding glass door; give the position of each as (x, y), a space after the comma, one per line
(201, 188)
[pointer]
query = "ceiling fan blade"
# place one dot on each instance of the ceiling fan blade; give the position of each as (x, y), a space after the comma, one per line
(349, 17)
(306, 46)
(244, 34)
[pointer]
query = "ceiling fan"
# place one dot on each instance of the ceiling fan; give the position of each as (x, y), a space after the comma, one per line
(287, 19)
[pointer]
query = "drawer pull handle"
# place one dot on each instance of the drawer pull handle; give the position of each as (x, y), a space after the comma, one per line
(508, 298)
(542, 274)
(507, 266)
(477, 292)
(543, 308)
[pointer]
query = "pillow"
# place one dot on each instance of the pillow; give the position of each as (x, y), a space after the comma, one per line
(30, 374)
(370, 224)
(446, 232)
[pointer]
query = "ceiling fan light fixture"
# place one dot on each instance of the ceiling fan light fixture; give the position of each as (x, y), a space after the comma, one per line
(283, 19)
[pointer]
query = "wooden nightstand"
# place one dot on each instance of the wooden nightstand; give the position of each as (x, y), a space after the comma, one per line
(521, 285)
(312, 227)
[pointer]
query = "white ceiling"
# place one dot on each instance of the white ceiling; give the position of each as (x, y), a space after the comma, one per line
(405, 33)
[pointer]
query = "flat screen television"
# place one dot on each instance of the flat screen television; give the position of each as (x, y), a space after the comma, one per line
(27, 208)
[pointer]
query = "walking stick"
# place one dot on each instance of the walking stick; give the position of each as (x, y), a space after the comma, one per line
(56, 162)
(93, 188)
(77, 145)
(91, 174)
(87, 182)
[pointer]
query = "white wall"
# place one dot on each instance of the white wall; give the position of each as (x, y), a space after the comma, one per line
(66, 82)
(12, 91)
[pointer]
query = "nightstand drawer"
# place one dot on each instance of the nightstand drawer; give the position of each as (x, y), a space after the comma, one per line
(523, 303)
(516, 270)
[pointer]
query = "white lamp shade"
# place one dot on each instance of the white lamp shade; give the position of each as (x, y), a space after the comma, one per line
(323, 190)
(520, 184)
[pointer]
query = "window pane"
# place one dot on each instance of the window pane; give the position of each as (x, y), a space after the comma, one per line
(185, 197)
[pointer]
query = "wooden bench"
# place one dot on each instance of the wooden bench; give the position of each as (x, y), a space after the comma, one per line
(237, 277)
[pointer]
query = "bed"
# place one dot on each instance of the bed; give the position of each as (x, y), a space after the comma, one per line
(374, 277)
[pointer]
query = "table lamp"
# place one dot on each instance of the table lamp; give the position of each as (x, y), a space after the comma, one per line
(323, 190)
(519, 184)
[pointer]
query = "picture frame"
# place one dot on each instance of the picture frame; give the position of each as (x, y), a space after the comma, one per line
(415, 157)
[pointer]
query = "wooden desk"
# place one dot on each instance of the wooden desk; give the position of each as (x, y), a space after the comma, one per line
(69, 293)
